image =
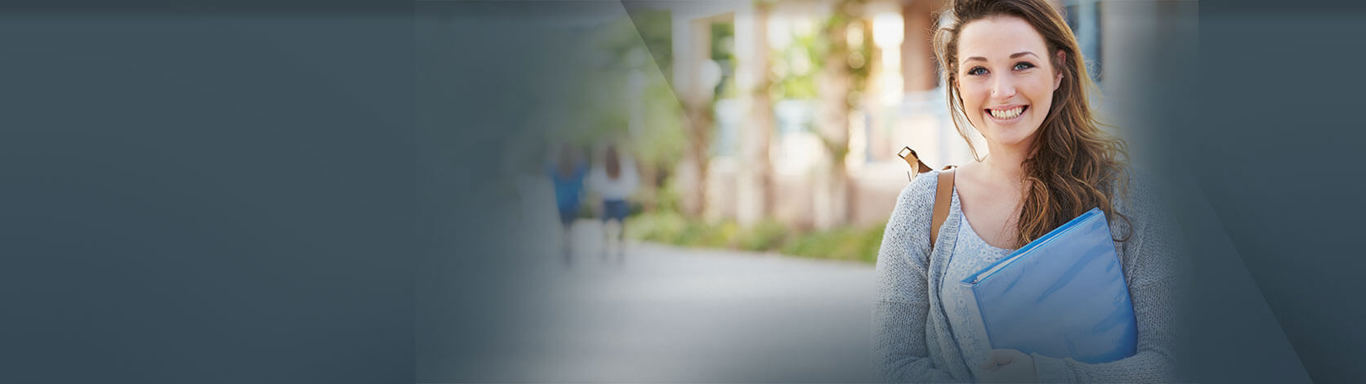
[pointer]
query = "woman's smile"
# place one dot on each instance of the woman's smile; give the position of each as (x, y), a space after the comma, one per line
(1007, 114)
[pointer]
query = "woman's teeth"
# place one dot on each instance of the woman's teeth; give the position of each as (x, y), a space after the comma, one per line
(1007, 113)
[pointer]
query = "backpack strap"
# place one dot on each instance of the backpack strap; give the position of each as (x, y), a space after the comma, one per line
(913, 160)
(943, 194)
(943, 197)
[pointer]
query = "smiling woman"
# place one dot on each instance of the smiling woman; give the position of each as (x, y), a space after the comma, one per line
(1017, 75)
(1014, 72)
(997, 87)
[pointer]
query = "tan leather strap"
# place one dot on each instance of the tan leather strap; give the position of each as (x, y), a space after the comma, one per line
(913, 160)
(943, 196)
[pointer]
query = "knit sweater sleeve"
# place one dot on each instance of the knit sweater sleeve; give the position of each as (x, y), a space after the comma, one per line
(901, 306)
(1151, 267)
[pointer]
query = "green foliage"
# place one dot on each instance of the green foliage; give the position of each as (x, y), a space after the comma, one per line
(852, 244)
(767, 235)
(642, 32)
(855, 244)
(850, 58)
(723, 53)
(795, 67)
(667, 198)
(599, 111)
(663, 227)
(717, 236)
(662, 141)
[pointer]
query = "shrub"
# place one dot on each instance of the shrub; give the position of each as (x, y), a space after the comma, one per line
(847, 243)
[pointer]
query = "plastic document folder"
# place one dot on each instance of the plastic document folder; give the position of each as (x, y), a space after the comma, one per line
(1062, 295)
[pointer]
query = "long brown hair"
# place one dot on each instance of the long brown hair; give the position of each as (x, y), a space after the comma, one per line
(613, 162)
(1073, 166)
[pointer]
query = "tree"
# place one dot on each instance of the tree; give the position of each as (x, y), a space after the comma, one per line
(840, 81)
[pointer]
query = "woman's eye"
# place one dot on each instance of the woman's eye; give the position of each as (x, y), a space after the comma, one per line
(977, 71)
(1023, 66)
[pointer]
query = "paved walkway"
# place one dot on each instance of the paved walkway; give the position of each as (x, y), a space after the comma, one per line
(674, 314)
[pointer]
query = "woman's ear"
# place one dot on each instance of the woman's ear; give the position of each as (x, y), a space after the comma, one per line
(1061, 60)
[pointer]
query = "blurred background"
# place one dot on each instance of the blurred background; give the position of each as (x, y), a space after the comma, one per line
(697, 190)
(775, 125)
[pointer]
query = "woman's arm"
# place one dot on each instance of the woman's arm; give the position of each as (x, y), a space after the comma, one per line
(902, 303)
(1152, 267)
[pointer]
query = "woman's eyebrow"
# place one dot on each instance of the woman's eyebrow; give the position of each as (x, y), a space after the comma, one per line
(1013, 55)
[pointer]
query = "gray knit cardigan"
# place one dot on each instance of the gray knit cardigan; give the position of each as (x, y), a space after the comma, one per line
(911, 332)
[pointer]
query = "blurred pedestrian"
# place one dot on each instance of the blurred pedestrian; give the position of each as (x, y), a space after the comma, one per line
(568, 173)
(614, 181)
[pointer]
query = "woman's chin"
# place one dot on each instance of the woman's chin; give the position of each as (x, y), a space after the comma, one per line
(1012, 138)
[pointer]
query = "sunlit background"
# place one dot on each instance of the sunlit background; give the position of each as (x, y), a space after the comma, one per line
(747, 117)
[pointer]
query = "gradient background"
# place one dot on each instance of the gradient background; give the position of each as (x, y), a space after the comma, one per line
(295, 192)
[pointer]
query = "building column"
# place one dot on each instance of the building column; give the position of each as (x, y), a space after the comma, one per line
(752, 76)
(919, 71)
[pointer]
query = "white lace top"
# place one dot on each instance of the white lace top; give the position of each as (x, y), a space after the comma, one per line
(971, 254)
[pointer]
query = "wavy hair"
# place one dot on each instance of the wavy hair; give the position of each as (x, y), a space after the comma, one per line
(1073, 165)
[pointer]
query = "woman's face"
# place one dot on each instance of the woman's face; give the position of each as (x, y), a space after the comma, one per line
(1005, 79)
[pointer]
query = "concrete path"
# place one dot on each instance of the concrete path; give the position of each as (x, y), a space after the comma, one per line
(668, 314)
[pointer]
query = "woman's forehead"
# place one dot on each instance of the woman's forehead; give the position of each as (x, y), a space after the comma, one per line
(998, 37)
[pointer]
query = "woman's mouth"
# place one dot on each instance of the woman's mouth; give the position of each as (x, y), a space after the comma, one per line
(1007, 113)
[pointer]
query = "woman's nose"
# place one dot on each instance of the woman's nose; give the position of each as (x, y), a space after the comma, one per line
(1003, 87)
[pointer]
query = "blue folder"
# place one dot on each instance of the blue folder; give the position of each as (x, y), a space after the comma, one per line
(1062, 295)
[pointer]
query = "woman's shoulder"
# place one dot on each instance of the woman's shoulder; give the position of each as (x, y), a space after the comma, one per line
(908, 227)
(917, 197)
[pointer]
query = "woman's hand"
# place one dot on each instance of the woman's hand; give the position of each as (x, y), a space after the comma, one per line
(1008, 366)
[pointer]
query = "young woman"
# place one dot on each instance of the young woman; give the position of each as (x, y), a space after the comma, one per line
(615, 181)
(1015, 72)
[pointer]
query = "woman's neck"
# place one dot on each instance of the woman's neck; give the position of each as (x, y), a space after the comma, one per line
(1006, 163)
